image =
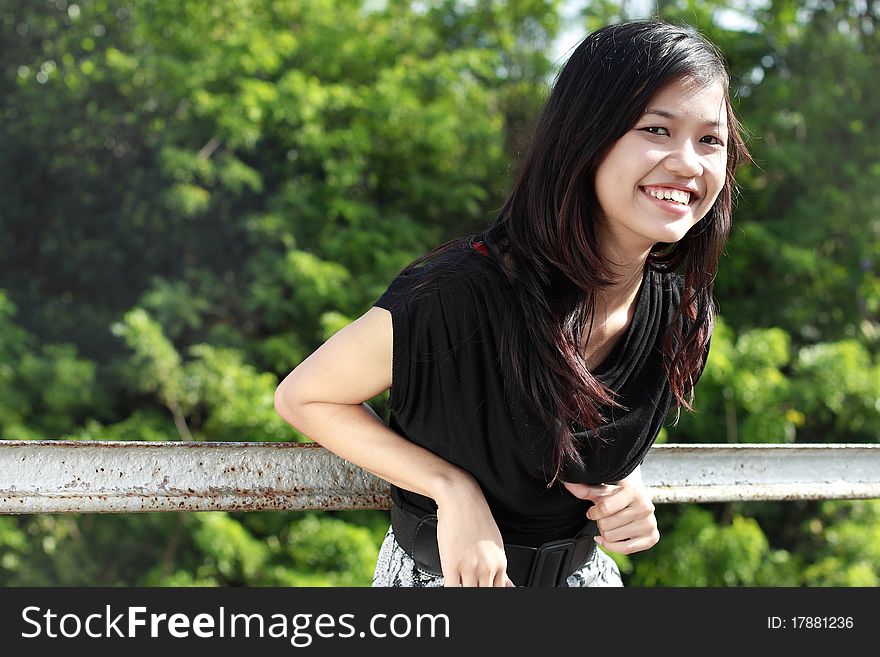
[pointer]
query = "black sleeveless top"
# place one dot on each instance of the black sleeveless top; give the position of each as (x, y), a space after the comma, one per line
(448, 394)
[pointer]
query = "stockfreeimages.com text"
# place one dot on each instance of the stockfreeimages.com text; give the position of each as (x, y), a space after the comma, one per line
(300, 629)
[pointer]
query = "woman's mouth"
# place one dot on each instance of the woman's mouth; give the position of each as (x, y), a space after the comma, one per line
(672, 200)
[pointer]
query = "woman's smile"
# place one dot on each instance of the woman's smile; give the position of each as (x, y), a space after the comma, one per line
(672, 200)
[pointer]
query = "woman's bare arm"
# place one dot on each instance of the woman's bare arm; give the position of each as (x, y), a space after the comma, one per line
(324, 398)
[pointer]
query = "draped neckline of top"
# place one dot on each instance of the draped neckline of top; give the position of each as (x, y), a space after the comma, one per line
(630, 348)
(627, 352)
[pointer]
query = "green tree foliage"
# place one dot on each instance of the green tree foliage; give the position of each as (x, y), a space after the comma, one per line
(700, 552)
(198, 194)
(196, 549)
(811, 223)
(45, 390)
(847, 536)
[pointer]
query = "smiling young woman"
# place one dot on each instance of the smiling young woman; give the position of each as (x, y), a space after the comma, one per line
(532, 364)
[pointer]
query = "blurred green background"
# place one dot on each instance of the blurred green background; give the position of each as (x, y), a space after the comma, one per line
(197, 194)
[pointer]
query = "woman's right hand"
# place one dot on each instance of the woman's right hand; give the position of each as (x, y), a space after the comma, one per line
(471, 547)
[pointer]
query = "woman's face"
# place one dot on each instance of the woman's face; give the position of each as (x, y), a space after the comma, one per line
(664, 174)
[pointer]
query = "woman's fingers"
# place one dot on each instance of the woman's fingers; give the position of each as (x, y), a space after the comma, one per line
(613, 519)
(469, 580)
(499, 579)
(631, 545)
(451, 579)
(628, 537)
(636, 529)
(476, 576)
(608, 507)
(502, 580)
(490, 577)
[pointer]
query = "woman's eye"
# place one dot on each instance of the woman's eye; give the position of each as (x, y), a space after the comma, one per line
(656, 130)
(712, 139)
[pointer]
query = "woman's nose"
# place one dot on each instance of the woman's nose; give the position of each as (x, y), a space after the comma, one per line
(684, 161)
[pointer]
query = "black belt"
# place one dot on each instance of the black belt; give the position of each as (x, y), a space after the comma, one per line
(546, 565)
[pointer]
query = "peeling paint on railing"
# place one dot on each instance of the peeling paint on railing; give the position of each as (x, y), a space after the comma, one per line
(133, 477)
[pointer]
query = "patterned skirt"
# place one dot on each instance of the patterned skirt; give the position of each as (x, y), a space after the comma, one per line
(394, 567)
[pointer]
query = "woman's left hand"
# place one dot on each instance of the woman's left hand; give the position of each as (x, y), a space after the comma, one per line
(624, 512)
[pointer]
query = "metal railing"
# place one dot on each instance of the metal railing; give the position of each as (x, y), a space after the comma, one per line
(134, 476)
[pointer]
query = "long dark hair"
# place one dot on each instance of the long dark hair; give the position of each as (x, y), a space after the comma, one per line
(544, 238)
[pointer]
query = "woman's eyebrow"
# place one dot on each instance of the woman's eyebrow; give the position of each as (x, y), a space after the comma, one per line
(666, 114)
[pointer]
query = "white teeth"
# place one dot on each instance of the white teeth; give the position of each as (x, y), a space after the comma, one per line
(671, 194)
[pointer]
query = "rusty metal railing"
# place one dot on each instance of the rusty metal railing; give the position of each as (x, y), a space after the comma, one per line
(132, 476)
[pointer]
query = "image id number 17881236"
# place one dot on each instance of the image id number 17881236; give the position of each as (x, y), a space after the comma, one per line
(810, 623)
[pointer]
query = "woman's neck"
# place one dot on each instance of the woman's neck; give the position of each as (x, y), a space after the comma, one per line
(613, 311)
(627, 267)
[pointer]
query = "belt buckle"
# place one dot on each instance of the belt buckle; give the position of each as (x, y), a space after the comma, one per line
(554, 561)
